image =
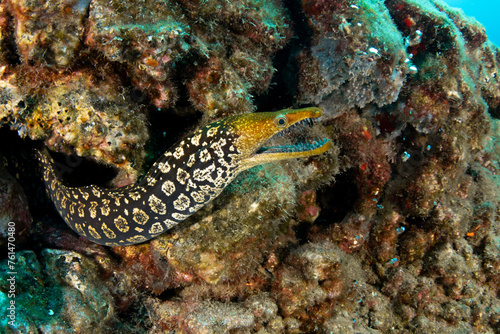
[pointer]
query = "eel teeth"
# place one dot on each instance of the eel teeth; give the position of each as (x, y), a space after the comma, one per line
(299, 147)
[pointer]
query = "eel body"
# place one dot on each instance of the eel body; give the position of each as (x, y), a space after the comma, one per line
(183, 180)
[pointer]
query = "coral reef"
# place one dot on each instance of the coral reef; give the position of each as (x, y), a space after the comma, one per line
(58, 292)
(356, 57)
(231, 44)
(90, 116)
(121, 55)
(52, 34)
(216, 317)
(396, 229)
(148, 40)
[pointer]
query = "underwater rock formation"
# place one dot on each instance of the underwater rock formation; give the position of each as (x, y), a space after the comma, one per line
(47, 33)
(55, 291)
(148, 40)
(357, 56)
(118, 56)
(216, 317)
(79, 114)
(229, 44)
(396, 229)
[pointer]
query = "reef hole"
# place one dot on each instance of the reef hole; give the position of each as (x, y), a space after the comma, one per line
(337, 199)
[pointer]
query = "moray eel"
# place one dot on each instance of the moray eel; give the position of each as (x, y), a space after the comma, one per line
(183, 180)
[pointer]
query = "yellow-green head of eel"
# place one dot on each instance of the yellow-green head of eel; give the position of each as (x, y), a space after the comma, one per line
(183, 180)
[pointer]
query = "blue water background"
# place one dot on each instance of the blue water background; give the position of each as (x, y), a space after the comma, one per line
(485, 11)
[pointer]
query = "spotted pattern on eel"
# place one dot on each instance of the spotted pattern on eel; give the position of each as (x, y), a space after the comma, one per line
(183, 180)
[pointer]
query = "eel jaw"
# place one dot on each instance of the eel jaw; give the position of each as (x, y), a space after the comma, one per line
(275, 153)
(254, 130)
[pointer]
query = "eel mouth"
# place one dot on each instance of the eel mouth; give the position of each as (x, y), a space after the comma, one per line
(276, 149)
(268, 154)
(302, 148)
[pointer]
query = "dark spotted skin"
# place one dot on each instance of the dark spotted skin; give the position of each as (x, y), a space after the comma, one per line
(183, 180)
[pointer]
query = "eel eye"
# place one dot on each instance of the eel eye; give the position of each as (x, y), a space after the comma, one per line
(281, 121)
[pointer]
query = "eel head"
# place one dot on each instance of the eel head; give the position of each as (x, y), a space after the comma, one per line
(254, 130)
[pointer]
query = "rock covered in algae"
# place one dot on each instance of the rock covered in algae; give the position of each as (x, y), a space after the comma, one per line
(357, 56)
(59, 291)
(318, 283)
(82, 114)
(146, 36)
(220, 50)
(440, 198)
(202, 317)
(48, 32)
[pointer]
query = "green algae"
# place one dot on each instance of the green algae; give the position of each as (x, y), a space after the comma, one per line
(58, 292)
(35, 302)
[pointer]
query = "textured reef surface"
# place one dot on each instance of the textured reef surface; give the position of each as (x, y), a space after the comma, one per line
(395, 230)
